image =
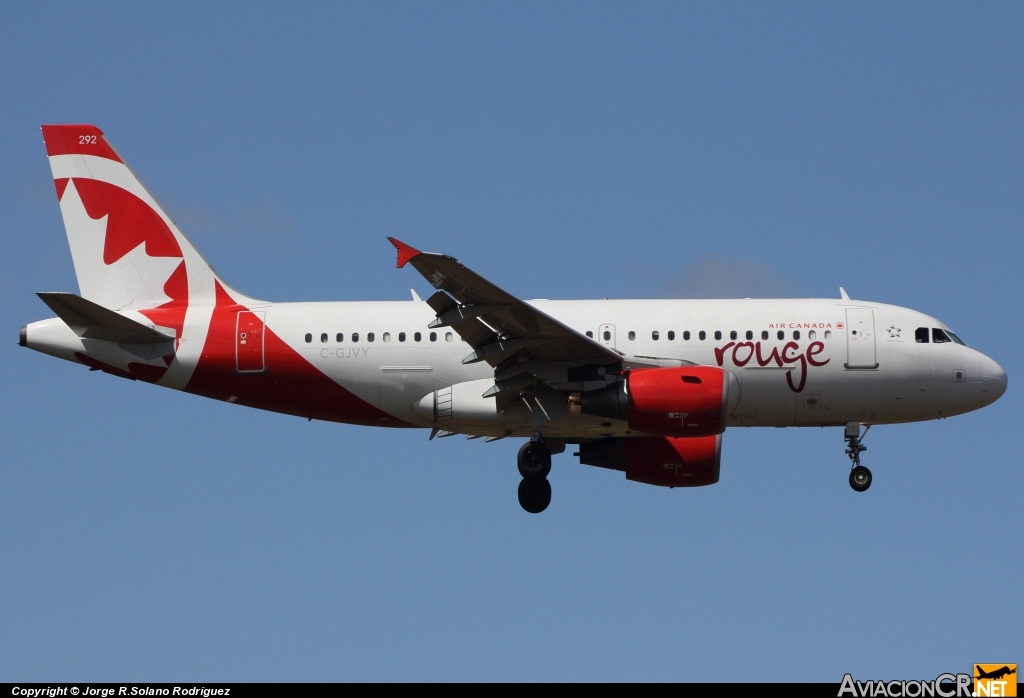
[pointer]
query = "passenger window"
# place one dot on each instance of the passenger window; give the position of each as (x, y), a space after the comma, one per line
(781, 334)
(921, 335)
(401, 336)
(369, 336)
(632, 335)
(386, 336)
(702, 335)
(654, 335)
(764, 334)
(448, 336)
(750, 335)
(433, 336)
(718, 334)
(607, 335)
(340, 337)
(828, 334)
(671, 335)
(590, 334)
(812, 334)
(796, 334)
(355, 337)
(309, 338)
(733, 335)
(686, 335)
(417, 337)
(323, 338)
(939, 337)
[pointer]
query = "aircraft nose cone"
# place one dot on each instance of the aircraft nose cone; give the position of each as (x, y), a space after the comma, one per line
(993, 380)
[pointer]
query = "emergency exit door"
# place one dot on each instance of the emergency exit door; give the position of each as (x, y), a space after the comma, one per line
(606, 335)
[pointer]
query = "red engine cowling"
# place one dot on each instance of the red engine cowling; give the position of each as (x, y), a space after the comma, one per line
(658, 460)
(689, 401)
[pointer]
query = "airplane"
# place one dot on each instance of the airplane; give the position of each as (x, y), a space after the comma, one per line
(647, 387)
(995, 674)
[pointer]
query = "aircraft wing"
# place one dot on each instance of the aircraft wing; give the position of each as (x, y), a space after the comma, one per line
(522, 343)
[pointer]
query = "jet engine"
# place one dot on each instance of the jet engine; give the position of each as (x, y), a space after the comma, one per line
(658, 460)
(689, 401)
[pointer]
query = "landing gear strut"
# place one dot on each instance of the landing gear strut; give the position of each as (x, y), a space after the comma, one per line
(534, 462)
(860, 477)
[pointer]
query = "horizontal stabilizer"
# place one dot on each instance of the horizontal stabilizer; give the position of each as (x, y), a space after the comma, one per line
(92, 321)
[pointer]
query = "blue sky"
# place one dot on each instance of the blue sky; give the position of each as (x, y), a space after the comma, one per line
(563, 150)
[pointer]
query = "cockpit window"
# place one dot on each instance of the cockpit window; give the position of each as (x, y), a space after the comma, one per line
(957, 339)
(938, 336)
(921, 335)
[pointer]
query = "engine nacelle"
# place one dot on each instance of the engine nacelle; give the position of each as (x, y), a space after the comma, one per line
(658, 460)
(463, 408)
(689, 401)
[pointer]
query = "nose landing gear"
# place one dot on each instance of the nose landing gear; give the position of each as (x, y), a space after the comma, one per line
(534, 462)
(860, 477)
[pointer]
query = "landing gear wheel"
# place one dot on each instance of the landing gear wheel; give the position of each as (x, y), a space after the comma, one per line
(534, 494)
(860, 478)
(534, 462)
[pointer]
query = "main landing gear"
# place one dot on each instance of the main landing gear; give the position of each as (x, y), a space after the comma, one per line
(534, 462)
(860, 477)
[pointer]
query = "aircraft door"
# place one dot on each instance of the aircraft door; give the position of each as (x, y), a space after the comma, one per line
(860, 338)
(249, 341)
(606, 335)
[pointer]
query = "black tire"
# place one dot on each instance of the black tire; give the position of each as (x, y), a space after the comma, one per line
(534, 494)
(860, 478)
(534, 460)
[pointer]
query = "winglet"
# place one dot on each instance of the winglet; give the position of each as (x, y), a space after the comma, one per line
(405, 253)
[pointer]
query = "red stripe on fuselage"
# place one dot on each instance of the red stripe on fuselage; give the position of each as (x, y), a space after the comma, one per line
(290, 384)
(172, 313)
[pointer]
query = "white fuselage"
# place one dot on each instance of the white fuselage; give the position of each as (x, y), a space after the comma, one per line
(881, 374)
(796, 362)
